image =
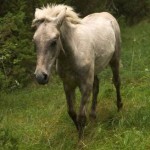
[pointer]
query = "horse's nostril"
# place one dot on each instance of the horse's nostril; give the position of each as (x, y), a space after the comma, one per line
(45, 76)
(42, 78)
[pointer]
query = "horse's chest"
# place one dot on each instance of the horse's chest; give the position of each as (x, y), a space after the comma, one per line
(72, 71)
(66, 71)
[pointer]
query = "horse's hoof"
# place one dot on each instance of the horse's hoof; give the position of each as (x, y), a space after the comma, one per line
(120, 106)
(92, 115)
(81, 144)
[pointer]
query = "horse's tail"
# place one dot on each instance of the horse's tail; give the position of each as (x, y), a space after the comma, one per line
(116, 29)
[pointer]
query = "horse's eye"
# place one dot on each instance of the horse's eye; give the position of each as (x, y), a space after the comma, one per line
(53, 43)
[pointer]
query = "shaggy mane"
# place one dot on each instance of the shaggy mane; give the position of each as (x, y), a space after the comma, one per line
(52, 10)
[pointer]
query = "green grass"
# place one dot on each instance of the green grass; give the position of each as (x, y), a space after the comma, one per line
(36, 118)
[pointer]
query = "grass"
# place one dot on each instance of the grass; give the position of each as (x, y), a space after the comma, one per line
(36, 118)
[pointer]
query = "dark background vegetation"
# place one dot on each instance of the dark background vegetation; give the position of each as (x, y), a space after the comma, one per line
(17, 56)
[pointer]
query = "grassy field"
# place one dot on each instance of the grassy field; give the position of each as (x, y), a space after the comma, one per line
(36, 118)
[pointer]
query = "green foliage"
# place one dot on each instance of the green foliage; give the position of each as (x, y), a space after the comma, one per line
(133, 10)
(7, 140)
(16, 50)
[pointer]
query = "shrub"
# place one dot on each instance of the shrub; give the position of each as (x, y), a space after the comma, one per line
(16, 51)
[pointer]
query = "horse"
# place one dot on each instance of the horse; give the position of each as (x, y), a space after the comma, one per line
(80, 48)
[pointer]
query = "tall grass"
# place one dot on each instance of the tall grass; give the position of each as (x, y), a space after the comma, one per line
(36, 118)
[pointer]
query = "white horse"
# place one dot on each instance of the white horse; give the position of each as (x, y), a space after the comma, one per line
(81, 48)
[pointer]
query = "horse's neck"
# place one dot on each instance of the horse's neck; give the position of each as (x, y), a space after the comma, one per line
(67, 38)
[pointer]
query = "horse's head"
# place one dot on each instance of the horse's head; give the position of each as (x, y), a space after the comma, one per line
(47, 44)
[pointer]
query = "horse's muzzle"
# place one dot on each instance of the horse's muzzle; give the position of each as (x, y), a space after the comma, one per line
(42, 78)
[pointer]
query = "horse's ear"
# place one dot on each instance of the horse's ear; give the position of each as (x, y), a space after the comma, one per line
(36, 23)
(33, 25)
(60, 18)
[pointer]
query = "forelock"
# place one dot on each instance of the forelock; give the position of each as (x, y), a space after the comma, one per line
(52, 10)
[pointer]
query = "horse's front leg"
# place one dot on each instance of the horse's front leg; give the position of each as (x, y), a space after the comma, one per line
(86, 90)
(70, 97)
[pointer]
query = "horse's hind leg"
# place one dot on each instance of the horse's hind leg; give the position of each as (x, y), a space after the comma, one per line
(94, 98)
(70, 97)
(116, 80)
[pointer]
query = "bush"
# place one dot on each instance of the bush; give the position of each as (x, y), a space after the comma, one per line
(16, 53)
(133, 10)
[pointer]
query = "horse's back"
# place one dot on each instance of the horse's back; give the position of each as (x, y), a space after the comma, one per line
(99, 16)
(102, 22)
(102, 28)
